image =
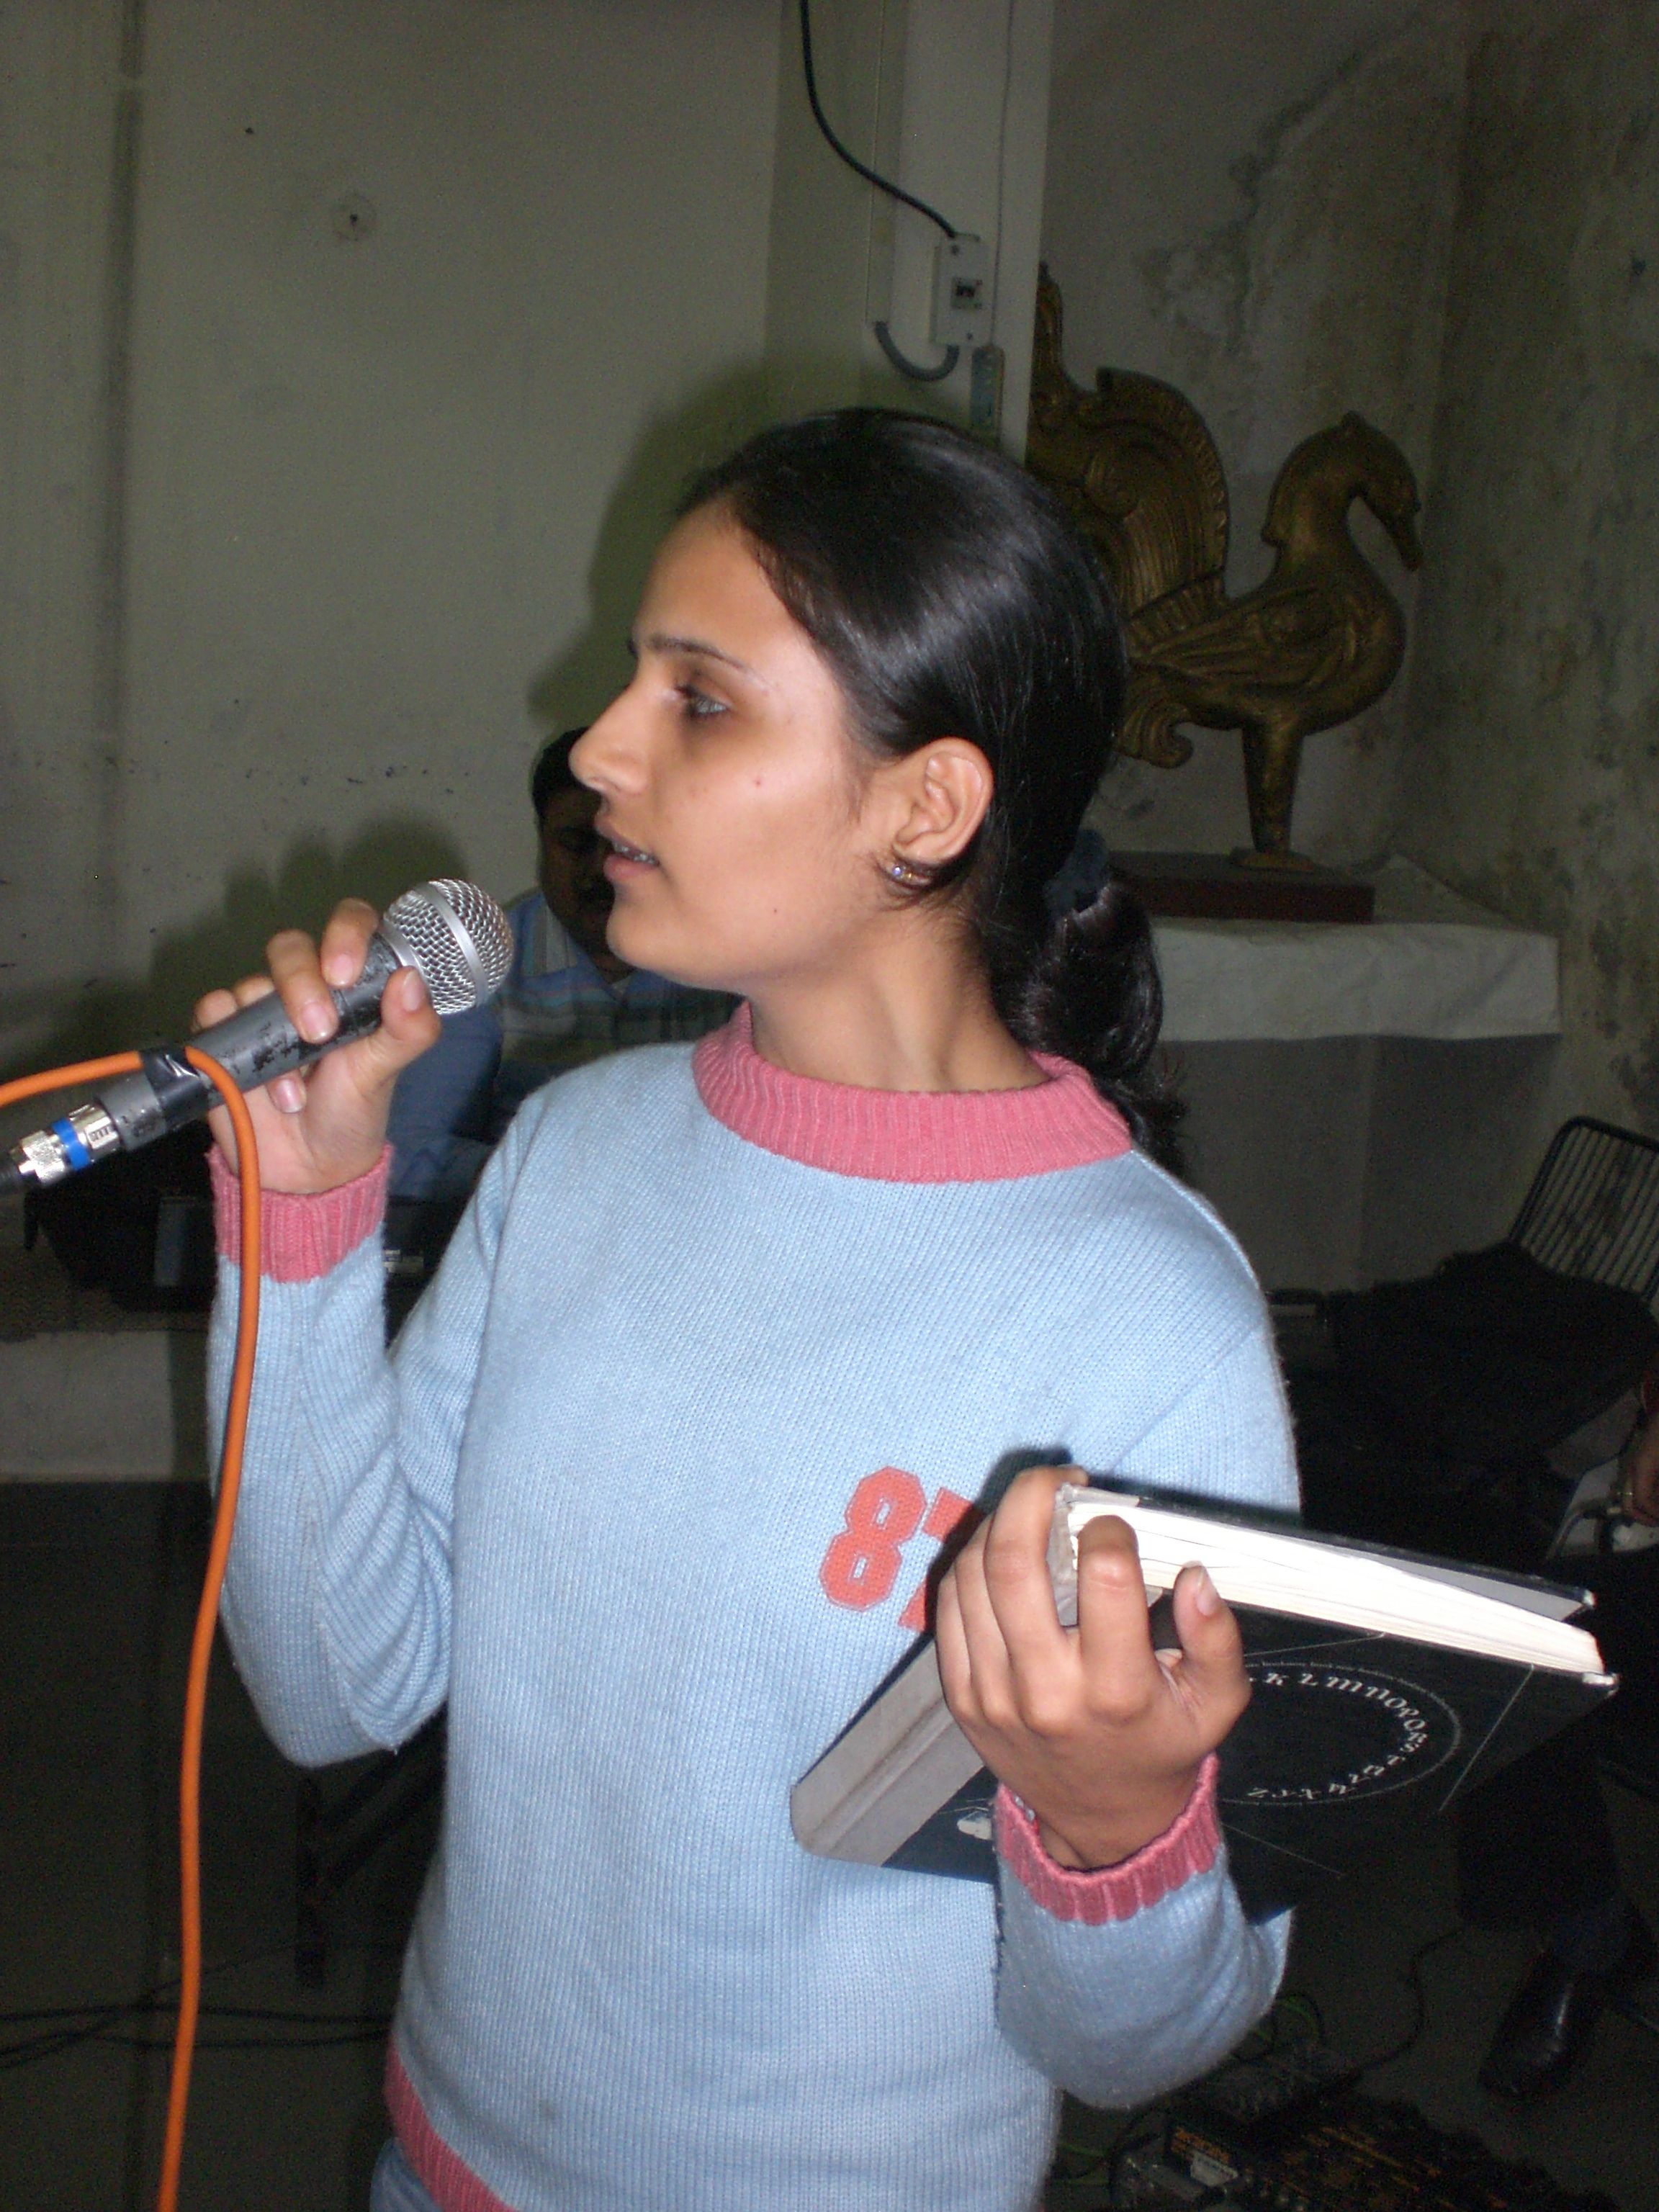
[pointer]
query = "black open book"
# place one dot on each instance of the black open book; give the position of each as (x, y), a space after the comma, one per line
(1383, 1686)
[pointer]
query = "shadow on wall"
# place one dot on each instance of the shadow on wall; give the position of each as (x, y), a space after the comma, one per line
(580, 682)
(111, 1016)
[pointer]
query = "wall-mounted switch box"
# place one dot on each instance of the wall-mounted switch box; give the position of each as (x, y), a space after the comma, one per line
(961, 292)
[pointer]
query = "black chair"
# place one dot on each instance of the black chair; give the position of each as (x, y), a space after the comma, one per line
(1593, 1209)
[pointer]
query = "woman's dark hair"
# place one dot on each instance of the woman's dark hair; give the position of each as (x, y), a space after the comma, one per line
(952, 596)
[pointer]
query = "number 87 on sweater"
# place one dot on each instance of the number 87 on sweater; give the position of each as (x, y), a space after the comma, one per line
(884, 1512)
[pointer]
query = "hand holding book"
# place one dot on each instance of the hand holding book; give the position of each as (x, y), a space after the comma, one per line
(1102, 1736)
(1383, 1684)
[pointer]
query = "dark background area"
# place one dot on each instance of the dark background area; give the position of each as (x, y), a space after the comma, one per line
(98, 1586)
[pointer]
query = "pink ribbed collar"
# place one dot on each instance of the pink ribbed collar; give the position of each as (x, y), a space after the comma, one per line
(906, 1136)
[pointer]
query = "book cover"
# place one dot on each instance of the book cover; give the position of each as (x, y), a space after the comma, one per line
(1351, 1736)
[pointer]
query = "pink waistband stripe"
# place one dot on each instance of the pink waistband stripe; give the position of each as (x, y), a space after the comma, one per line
(906, 1136)
(451, 2185)
(301, 1236)
(1116, 1893)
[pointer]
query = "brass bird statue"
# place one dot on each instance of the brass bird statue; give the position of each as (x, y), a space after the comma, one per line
(1311, 647)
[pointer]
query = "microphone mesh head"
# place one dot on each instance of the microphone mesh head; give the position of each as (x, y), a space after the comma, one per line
(457, 936)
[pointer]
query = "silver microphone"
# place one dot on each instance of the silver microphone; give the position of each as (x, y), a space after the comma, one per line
(454, 934)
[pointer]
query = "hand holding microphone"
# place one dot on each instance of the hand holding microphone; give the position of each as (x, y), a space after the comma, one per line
(327, 1125)
(317, 1044)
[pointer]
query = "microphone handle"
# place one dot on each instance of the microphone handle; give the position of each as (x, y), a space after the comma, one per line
(254, 1045)
(453, 933)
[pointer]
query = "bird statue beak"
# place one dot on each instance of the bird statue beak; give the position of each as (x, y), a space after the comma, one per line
(1403, 529)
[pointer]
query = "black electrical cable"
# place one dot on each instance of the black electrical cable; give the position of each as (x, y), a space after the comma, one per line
(870, 176)
(328, 2033)
(912, 369)
(371, 2031)
(1413, 1978)
(78, 2025)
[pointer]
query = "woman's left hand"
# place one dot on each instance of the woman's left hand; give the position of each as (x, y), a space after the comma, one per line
(1101, 1736)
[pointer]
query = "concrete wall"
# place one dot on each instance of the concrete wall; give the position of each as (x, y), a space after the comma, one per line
(1255, 204)
(57, 77)
(436, 303)
(1532, 780)
(353, 353)
(431, 306)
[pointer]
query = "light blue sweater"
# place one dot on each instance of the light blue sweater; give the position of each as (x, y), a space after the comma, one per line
(604, 1497)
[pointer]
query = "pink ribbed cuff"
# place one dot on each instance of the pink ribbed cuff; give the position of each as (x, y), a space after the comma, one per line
(453, 2186)
(906, 1136)
(300, 1237)
(1115, 1893)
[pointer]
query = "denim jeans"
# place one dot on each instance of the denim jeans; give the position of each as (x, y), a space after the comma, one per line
(394, 2187)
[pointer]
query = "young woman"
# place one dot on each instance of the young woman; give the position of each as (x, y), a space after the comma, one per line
(730, 1339)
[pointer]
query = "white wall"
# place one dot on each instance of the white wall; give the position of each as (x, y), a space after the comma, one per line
(387, 495)
(434, 305)
(823, 217)
(386, 487)
(56, 80)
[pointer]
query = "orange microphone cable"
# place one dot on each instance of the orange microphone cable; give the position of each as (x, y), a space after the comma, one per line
(207, 1616)
(67, 1079)
(230, 1476)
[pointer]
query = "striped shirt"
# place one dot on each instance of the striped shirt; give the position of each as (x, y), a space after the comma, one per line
(555, 1011)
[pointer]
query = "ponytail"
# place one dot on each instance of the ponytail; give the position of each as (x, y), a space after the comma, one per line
(1091, 994)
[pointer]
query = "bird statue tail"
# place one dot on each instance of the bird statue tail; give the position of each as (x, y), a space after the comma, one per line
(1148, 729)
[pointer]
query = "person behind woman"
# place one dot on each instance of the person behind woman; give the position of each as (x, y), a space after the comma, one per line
(730, 1336)
(1535, 1844)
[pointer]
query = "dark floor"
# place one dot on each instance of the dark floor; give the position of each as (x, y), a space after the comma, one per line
(97, 1586)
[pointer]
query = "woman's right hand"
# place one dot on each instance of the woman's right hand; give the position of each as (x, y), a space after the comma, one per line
(326, 1126)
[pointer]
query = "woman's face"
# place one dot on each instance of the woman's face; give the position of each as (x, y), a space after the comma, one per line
(749, 834)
